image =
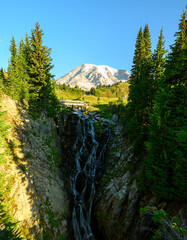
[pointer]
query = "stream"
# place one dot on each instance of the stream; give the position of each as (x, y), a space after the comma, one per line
(87, 159)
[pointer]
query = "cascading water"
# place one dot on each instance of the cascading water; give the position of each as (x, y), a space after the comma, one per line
(87, 160)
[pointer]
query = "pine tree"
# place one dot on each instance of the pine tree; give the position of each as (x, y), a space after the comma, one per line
(11, 83)
(147, 42)
(165, 167)
(27, 51)
(37, 65)
(13, 51)
(140, 100)
(147, 78)
(159, 59)
(22, 69)
(158, 68)
(42, 95)
(135, 78)
(132, 126)
(17, 81)
(177, 59)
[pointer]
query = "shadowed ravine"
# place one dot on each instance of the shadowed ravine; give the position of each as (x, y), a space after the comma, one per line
(86, 158)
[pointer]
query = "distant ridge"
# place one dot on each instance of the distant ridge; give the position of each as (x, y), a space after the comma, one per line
(87, 76)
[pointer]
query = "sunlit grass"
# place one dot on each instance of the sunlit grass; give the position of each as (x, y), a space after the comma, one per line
(104, 97)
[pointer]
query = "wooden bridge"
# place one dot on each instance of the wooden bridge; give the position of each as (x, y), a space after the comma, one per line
(74, 103)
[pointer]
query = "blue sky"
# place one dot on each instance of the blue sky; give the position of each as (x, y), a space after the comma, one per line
(101, 32)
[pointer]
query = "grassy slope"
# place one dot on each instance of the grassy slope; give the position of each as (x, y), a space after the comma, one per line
(102, 98)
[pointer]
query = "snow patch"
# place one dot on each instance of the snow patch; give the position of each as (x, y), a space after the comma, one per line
(87, 67)
(102, 69)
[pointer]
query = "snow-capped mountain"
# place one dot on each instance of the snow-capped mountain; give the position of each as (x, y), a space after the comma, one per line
(87, 76)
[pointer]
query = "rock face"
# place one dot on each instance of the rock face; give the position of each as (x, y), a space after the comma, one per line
(39, 200)
(118, 201)
(87, 76)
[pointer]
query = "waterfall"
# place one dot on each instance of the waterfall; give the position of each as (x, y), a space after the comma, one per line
(86, 161)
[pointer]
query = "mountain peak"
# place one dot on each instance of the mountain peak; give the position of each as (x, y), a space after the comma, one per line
(87, 76)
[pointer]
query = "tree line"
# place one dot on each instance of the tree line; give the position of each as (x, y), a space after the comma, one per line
(156, 112)
(29, 77)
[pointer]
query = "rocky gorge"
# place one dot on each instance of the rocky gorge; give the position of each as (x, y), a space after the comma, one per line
(118, 199)
(54, 168)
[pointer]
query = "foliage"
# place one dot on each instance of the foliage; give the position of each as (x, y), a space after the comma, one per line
(177, 59)
(140, 96)
(11, 84)
(167, 227)
(42, 94)
(164, 170)
(9, 228)
(119, 90)
(2, 77)
(107, 103)
(156, 113)
(66, 92)
(159, 58)
(23, 76)
(29, 77)
(165, 167)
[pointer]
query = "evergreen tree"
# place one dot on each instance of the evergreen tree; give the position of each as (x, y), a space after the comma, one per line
(27, 51)
(147, 78)
(29, 75)
(177, 59)
(42, 95)
(159, 60)
(158, 67)
(13, 51)
(140, 100)
(147, 42)
(93, 91)
(132, 126)
(165, 167)
(11, 82)
(17, 81)
(22, 69)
